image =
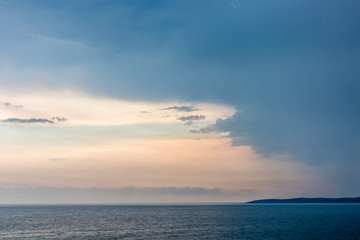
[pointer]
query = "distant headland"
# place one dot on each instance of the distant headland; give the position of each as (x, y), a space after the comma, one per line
(309, 200)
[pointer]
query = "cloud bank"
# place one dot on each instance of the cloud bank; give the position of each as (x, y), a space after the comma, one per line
(289, 67)
(51, 195)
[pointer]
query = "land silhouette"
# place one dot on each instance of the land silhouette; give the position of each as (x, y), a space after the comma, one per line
(309, 200)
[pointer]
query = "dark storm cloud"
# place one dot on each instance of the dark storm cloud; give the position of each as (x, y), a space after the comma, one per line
(291, 68)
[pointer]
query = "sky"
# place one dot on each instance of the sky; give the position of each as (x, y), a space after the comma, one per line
(105, 101)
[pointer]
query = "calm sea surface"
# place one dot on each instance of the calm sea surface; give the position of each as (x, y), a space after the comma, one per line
(340, 221)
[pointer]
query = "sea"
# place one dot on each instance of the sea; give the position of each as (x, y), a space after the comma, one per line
(238, 221)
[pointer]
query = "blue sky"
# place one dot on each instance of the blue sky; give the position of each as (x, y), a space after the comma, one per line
(279, 77)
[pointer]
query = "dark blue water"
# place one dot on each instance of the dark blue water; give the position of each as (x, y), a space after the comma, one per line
(340, 221)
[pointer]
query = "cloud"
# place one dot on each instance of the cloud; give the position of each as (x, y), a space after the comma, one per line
(53, 120)
(189, 119)
(205, 130)
(304, 135)
(29, 120)
(182, 108)
(59, 119)
(8, 104)
(104, 110)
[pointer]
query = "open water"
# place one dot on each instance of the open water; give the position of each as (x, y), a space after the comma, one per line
(317, 221)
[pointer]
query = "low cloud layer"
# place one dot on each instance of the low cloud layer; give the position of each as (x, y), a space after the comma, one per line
(122, 195)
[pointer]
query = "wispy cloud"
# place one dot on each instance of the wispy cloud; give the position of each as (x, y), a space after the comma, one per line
(29, 120)
(59, 119)
(182, 108)
(104, 111)
(189, 119)
(8, 104)
(205, 130)
(80, 47)
(53, 120)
